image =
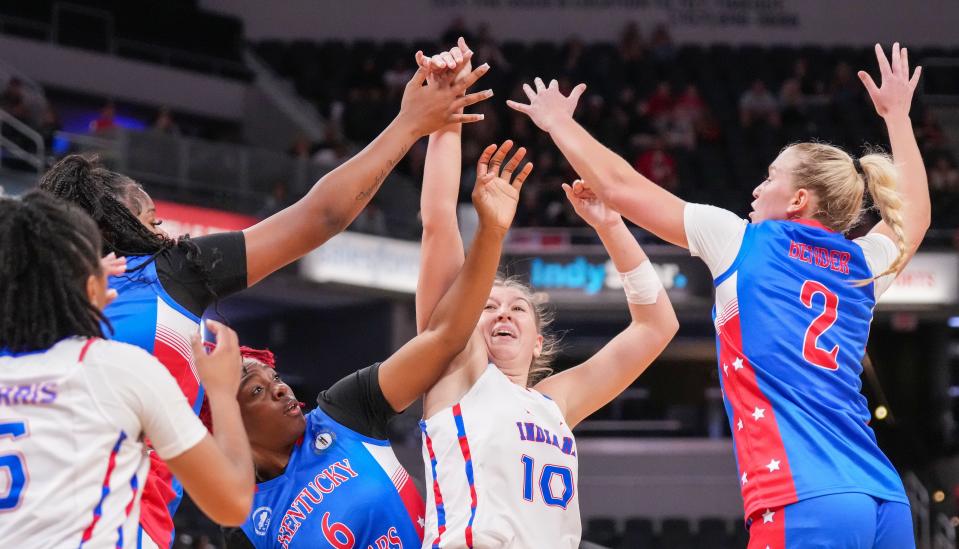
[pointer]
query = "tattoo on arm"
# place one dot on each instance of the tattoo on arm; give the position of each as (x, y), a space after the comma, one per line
(368, 192)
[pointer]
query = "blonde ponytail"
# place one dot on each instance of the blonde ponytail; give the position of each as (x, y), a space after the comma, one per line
(881, 177)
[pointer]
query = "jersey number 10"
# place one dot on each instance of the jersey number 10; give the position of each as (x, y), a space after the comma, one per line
(545, 483)
(810, 348)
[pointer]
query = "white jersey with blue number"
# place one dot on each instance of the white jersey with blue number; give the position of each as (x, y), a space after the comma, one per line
(501, 470)
(72, 458)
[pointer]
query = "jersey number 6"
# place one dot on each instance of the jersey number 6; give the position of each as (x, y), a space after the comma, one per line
(14, 465)
(810, 349)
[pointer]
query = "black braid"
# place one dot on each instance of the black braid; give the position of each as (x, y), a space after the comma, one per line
(48, 250)
(107, 197)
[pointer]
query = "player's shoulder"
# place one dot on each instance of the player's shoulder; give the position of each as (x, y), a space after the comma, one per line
(117, 354)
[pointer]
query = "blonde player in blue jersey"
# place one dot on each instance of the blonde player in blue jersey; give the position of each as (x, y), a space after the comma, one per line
(794, 301)
(75, 408)
(501, 459)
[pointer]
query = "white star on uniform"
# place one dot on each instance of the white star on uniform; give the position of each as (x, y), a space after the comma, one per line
(740, 424)
(768, 516)
(745, 480)
(773, 465)
(725, 368)
(421, 522)
(759, 413)
(738, 364)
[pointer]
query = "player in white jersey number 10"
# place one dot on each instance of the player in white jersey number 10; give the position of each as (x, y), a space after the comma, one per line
(500, 457)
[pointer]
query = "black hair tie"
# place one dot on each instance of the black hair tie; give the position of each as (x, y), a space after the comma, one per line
(856, 164)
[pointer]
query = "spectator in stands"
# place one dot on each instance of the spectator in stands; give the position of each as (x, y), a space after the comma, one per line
(659, 166)
(12, 97)
(793, 105)
(659, 106)
(164, 123)
(758, 105)
(487, 48)
(688, 109)
(396, 77)
(575, 64)
(661, 44)
(49, 126)
(107, 119)
(931, 137)
(631, 45)
(332, 151)
(301, 147)
(807, 84)
(943, 176)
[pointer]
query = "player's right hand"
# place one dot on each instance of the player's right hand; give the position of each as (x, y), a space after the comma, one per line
(220, 371)
(496, 193)
(428, 108)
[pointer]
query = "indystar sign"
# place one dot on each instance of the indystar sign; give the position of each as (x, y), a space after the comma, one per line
(591, 278)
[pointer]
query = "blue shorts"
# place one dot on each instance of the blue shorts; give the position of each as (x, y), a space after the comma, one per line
(835, 521)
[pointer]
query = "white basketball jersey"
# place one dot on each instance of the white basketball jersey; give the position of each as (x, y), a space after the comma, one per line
(72, 461)
(501, 470)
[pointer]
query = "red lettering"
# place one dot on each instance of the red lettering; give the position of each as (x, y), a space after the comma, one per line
(337, 478)
(345, 465)
(844, 262)
(794, 250)
(822, 257)
(316, 484)
(393, 537)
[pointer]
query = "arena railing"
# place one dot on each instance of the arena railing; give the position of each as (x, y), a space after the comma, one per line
(12, 131)
(919, 503)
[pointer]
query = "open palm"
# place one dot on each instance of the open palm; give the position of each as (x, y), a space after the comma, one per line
(496, 193)
(894, 96)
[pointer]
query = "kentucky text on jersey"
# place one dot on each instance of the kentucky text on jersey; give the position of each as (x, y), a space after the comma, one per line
(325, 482)
(34, 393)
(531, 432)
(835, 260)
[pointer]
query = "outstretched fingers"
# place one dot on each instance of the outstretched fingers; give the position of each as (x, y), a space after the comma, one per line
(472, 77)
(482, 165)
(522, 175)
(510, 166)
(499, 157)
(472, 99)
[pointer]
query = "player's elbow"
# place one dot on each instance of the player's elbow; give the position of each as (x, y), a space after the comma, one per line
(234, 511)
(447, 339)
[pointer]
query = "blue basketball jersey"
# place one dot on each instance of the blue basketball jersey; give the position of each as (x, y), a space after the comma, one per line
(791, 332)
(340, 489)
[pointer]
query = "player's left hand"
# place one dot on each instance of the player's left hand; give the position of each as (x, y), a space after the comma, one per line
(547, 104)
(496, 193)
(590, 207)
(894, 97)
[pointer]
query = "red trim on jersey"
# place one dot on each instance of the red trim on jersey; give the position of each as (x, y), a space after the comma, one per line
(170, 354)
(811, 223)
(154, 503)
(413, 502)
(765, 476)
(105, 490)
(768, 535)
(86, 347)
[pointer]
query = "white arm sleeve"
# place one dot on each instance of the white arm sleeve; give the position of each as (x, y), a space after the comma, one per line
(714, 235)
(880, 252)
(146, 389)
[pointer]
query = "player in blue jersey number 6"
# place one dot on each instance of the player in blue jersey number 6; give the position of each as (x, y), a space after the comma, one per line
(75, 408)
(794, 301)
(330, 478)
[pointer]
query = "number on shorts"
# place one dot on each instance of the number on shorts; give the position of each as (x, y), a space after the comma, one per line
(811, 351)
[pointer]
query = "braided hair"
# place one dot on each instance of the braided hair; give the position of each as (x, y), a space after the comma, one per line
(48, 250)
(112, 200)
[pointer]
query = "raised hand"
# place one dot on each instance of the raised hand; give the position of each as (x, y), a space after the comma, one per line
(894, 97)
(429, 108)
(590, 207)
(221, 369)
(456, 61)
(547, 104)
(495, 197)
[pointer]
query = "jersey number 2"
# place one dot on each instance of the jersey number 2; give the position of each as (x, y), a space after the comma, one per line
(545, 483)
(810, 348)
(14, 466)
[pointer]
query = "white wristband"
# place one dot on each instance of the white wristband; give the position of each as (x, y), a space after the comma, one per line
(642, 284)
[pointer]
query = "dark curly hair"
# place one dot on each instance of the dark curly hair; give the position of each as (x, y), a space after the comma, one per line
(48, 250)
